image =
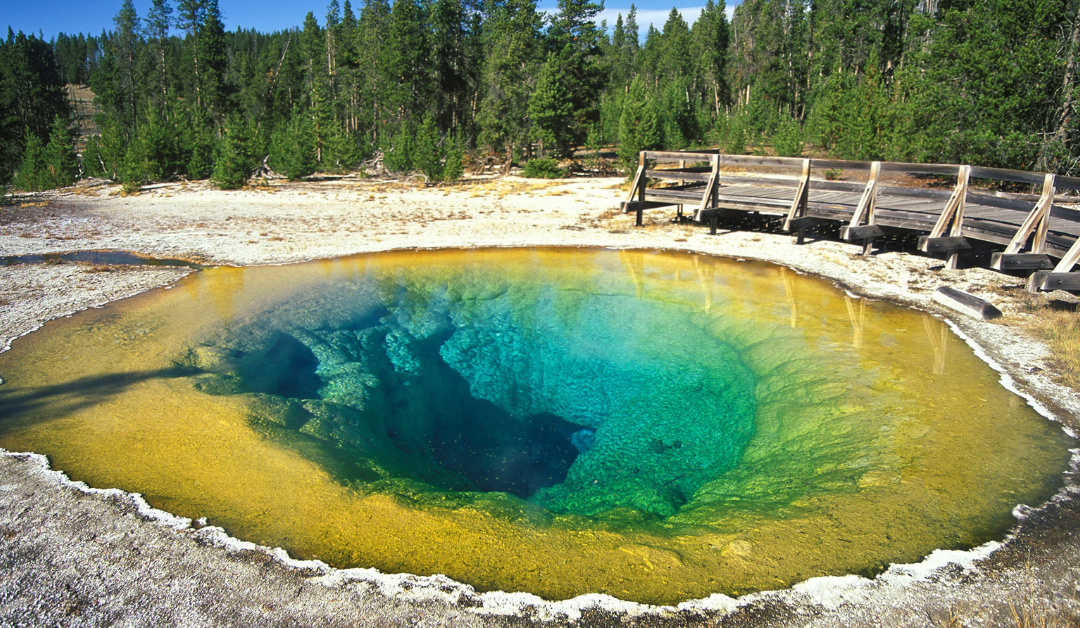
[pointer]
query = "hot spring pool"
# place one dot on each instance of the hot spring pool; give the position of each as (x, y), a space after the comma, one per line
(653, 426)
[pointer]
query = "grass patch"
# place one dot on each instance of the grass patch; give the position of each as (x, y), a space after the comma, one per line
(1060, 328)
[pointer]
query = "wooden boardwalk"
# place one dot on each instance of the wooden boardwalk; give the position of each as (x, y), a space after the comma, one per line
(1035, 232)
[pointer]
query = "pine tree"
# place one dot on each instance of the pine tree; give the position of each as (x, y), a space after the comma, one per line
(551, 108)
(160, 152)
(639, 128)
(157, 26)
(710, 37)
(132, 171)
(31, 174)
(577, 40)
(372, 42)
(428, 151)
(61, 162)
(449, 63)
(197, 140)
(293, 147)
(211, 35)
(633, 33)
(399, 157)
(32, 95)
(92, 163)
(231, 163)
(125, 46)
(511, 37)
(453, 164)
(344, 151)
(407, 58)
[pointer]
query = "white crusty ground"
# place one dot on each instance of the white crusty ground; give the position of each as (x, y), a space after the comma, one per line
(70, 555)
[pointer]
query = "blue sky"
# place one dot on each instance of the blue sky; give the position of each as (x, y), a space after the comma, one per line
(91, 16)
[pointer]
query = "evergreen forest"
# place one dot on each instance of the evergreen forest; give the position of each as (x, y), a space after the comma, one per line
(434, 86)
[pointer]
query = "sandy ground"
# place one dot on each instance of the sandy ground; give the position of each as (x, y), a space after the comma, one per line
(74, 556)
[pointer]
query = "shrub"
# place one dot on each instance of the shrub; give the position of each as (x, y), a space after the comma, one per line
(547, 168)
(788, 141)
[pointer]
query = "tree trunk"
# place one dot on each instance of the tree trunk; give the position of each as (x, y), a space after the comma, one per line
(1068, 102)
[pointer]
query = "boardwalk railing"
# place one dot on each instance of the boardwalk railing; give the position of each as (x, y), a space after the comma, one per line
(1031, 228)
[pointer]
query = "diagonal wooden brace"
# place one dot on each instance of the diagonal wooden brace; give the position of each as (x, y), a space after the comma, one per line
(1038, 220)
(868, 201)
(709, 197)
(953, 214)
(951, 218)
(798, 205)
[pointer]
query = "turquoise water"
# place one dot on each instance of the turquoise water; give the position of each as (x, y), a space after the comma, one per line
(505, 387)
(653, 426)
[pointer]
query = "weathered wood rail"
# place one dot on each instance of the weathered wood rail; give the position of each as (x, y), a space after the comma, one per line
(1032, 229)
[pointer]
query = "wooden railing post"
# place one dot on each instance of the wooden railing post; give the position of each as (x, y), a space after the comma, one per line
(709, 197)
(798, 205)
(867, 206)
(637, 188)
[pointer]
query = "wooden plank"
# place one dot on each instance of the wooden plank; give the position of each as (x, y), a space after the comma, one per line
(1068, 183)
(952, 217)
(902, 192)
(674, 193)
(943, 169)
(839, 186)
(769, 202)
(1057, 281)
(680, 175)
(663, 156)
(803, 222)
(948, 244)
(759, 181)
(1064, 213)
(1069, 259)
(1020, 261)
(841, 164)
(999, 202)
(965, 303)
(633, 206)
(688, 169)
(754, 160)
(728, 206)
(1001, 174)
(864, 232)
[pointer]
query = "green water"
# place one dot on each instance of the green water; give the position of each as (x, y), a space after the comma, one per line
(653, 426)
